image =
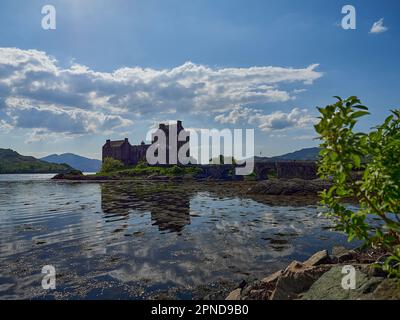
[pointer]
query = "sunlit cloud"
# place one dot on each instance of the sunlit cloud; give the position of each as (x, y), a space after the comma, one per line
(378, 27)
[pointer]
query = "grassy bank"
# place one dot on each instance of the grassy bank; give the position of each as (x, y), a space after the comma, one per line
(147, 170)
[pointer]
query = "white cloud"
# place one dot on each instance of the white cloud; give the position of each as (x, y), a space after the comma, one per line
(36, 135)
(378, 27)
(278, 136)
(305, 137)
(58, 119)
(38, 93)
(296, 91)
(276, 121)
(4, 126)
(279, 120)
(238, 114)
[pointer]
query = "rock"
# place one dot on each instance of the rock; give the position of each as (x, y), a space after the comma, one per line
(71, 175)
(176, 178)
(374, 271)
(289, 187)
(216, 290)
(257, 290)
(272, 278)
(297, 278)
(200, 176)
(260, 290)
(338, 250)
(242, 284)
(329, 286)
(341, 254)
(234, 295)
(257, 294)
(248, 288)
(157, 177)
(237, 178)
(246, 291)
(388, 289)
(320, 278)
(321, 257)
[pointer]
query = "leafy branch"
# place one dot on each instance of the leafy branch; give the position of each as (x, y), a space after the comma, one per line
(364, 167)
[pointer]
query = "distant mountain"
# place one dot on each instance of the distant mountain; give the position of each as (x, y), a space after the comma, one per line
(12, 162)
(303, 154)
(307, 154)
(78, 162)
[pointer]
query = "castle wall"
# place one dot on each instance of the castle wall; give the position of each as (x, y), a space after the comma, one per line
(138, 153)
(131, 155)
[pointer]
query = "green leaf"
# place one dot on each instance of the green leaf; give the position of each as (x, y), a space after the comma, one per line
(359, 114)
(359, 106)
(365, 167)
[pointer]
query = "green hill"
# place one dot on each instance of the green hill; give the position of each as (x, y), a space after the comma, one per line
(13, 162)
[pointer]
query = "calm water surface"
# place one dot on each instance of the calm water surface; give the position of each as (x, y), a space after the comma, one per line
(131, 240)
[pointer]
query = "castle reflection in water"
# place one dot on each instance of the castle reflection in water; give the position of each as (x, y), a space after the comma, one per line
(169, 209)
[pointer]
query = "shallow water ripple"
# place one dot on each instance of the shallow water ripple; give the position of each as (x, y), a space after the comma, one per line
(145, 240)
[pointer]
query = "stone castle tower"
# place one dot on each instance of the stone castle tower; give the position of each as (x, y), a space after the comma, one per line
(132, 154)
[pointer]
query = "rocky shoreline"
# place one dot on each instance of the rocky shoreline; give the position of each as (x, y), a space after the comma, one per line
(79, 176)
(320, 278)
(273, 187)
(289, 187)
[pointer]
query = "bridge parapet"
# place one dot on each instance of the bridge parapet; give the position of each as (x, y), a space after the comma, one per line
(306, 170)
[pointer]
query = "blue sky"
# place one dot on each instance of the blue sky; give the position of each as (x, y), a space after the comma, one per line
(113, 68)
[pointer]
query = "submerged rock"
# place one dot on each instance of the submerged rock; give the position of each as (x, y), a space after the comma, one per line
(289, 187)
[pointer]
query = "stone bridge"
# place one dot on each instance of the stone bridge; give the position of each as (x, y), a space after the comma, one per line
(306, 170)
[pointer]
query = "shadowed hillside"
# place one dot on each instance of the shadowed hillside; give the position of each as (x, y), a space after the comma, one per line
(78, 162)
(13, 162)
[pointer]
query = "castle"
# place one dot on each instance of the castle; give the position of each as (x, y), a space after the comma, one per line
(131, 155)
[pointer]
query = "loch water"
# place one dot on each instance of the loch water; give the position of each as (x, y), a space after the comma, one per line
(146, 240)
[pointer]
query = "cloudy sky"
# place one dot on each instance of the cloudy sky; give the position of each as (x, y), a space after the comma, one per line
(111, 69)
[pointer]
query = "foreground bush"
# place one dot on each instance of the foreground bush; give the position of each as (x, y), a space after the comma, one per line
(365, 167)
